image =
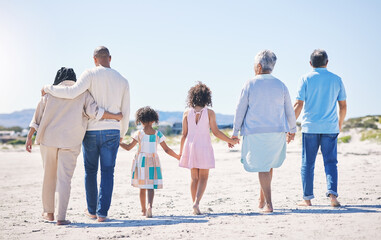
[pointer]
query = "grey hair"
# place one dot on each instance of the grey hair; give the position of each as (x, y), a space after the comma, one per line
(267, 59)
(101, 52)
(319, 58)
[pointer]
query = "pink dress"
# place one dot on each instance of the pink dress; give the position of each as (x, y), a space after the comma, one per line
(198, 150)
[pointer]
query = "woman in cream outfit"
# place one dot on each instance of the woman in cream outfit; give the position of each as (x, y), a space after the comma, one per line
(61, 125)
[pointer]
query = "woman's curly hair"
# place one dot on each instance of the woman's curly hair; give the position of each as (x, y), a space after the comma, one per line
(199, 95)
(146, 115)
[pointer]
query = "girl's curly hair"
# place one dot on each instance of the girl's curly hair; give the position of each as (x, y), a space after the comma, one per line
(146, 115)
(199, 95)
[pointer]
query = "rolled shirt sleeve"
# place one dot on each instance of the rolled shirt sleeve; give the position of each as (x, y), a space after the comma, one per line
(91, 109)
(241, 110)
(342, 94)
(289, 111)
(301, 92)
(37, 116)
(125, 107)
(73, 91)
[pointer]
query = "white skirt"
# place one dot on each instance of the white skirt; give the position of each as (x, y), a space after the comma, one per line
(263, 151)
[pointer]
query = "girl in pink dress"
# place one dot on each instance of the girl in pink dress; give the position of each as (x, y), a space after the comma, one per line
(196, 147)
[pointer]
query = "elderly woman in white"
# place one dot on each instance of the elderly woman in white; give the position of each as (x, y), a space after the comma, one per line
(266, 120)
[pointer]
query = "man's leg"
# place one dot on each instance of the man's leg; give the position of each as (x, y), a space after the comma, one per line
(310, 148)
(67, 160)
(329, 151)
(91, 158)
(108, 152)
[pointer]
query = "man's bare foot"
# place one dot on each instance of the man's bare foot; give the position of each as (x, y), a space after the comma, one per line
(63, 222)
(149, 212)
(144, 212)
(305, 203)
(90, 215)
(196, 210)
(101, 219)
(48, 216)
(334, 202)
(268, 208)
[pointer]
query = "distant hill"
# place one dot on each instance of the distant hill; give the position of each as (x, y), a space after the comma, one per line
(19, 118)
(22, 118)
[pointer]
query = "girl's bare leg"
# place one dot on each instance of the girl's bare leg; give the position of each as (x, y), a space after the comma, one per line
(194, 182)
(143, 201)
(151, 194)
(265, 181)
(202, 182)
(261, 194)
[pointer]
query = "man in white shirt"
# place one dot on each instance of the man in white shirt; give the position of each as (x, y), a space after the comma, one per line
(101, 142)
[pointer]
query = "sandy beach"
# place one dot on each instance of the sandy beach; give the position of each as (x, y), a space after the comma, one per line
(230, 201)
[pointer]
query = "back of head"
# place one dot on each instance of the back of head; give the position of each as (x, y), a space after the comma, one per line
(267, 59)
(101, 52)
(146, 115)
(319, 58)
(65, 74)
(199, 95)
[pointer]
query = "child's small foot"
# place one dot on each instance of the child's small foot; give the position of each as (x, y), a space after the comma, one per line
(268, 208)
(89, 215)
(334, 202)
(196, 210)
(63, 222)
(102, 219)
(149, 213)
(48, 216)
(305, 203)
(144, 212)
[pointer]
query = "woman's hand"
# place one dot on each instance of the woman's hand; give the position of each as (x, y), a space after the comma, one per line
(290, 137)
(119, 116)
(28, 145)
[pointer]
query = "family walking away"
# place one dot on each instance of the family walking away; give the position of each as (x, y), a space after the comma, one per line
(95, 111)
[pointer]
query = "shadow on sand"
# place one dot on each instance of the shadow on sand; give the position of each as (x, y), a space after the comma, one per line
(344, 209)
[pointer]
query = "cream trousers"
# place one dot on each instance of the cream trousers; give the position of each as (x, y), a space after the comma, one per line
(59, 165)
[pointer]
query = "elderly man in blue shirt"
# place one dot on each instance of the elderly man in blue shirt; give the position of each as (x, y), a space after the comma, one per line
(319, 92)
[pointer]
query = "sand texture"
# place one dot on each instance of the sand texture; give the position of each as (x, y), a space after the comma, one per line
(230, 201)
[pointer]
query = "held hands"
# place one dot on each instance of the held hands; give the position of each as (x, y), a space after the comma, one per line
(235, 140)
(290, 137)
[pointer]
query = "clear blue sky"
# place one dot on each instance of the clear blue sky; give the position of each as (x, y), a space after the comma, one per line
(164, 47)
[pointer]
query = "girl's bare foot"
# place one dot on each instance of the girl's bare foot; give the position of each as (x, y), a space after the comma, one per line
(63, 222)
(149, 213)
(334, 202)
(268, 208)
(48, 216)
(196, 210)
(144, 212)
(305, 203)
(261, 203)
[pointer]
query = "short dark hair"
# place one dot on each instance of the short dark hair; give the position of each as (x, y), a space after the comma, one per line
(101, 52)
(64, 74)
(199, 95)
(146, 115)
(319, 58)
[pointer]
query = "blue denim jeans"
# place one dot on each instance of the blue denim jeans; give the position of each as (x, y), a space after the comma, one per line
(100, 146)
(328, 145)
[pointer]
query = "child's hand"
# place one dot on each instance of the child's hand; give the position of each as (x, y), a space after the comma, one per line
(234, 141)
(178, 157)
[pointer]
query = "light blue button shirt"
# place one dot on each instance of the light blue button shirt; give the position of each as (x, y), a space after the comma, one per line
(320, 90)
(264, 107)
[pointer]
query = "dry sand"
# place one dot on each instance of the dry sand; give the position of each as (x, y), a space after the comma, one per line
(229, 203)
